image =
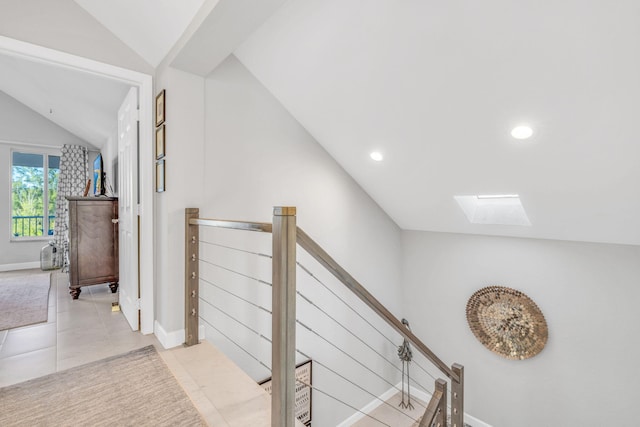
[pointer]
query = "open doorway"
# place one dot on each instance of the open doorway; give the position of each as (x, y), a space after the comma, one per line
(69, 65)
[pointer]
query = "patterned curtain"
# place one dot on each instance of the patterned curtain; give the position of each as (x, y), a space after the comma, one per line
(72, 180)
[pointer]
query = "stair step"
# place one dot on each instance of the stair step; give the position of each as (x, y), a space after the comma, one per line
(223, 393)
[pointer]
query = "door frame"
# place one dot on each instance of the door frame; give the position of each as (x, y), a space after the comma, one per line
(144, 83)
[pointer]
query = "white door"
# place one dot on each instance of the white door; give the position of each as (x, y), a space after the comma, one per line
(127, 207)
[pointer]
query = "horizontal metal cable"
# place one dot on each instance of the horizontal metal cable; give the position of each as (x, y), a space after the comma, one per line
(306, 270)
(395, 408)
(236, 344)
(308, 300)
(341, 401)
(300, 352)
(347, 354)
(237, 296)
(236, 249)
(323, 285)
(332, 292)
(234, 271)
(236, 320)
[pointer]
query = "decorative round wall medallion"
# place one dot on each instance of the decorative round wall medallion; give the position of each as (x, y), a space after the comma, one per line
(507, 322)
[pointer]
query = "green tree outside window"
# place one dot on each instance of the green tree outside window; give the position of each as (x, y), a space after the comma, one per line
(31, 193)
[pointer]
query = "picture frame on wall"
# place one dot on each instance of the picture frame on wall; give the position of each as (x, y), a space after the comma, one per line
(160, 142)
(160, 108)
(303, 403)
(160, 176)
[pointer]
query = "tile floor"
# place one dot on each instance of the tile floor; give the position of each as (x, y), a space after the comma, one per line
(84, 330)
(76, 332)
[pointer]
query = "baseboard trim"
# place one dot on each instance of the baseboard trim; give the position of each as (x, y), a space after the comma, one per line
(20, 266)
(420, 394)
(173, 338)
(168, 339)
(368, 408)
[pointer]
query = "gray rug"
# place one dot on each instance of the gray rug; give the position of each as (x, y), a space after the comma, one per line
(24, 300)
(133, 389)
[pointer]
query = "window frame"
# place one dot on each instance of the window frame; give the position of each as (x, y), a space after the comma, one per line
(45, 152)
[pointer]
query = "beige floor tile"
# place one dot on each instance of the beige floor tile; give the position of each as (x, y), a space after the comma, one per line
(83, 354)
(127, 341)
(28, 339)
(26, 366)
(66, 303)
(82, 317)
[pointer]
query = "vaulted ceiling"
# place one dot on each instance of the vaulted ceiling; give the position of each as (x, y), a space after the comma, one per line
(84, 104)
(436, 87)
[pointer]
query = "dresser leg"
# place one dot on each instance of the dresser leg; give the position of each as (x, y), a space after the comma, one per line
(113, 287)
(75, 292)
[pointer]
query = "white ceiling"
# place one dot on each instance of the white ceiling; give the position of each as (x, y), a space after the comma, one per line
(84, 104)
(149, 27)
(437, 87)
(228, 24)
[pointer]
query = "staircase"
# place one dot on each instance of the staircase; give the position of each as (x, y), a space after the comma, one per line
(284, 320)
(223, 393)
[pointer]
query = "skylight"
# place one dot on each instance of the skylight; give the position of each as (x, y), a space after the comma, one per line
(497, 209)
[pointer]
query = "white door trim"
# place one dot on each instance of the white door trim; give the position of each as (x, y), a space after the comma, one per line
(144, 82)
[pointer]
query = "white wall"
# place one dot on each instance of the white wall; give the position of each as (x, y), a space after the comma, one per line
(65, 26)
(588, 293)
(184, 127)
(22, 128)
(258, 156)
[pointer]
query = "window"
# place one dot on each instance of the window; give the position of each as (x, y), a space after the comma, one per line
(34, 186)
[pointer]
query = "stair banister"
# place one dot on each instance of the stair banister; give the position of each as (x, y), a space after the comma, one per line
(285, 235)
(365, 296)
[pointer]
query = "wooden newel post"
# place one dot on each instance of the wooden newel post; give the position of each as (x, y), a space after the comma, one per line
(436, 412)
(457, 397)
(441, 416)
(191, 277)
(283, 347)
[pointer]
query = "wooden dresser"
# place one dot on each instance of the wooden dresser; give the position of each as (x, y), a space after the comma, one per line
(93, 242)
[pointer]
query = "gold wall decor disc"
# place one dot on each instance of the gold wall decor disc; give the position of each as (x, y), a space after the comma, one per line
(507, 322)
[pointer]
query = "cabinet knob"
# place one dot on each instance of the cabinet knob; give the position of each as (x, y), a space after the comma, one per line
(115, 220)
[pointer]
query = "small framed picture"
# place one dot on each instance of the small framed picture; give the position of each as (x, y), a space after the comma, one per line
(160, 108)
(160, 174)
(160, 143)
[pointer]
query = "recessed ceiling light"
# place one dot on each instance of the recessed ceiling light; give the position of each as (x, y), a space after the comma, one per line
(377, 156)
(521, 132)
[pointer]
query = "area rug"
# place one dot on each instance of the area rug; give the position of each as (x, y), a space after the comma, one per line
(133, 389)
(24, 300)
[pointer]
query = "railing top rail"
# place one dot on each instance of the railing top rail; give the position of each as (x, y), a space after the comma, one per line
(263, 227)
(343, 276)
